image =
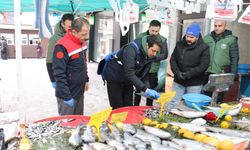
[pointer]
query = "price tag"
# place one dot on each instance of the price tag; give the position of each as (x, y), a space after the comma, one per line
(119, 117)
(98, 118)
(165, 98)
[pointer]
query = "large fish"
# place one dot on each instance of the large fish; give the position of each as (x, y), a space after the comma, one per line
(129, 128)
(146, 137)
(157, 132)
(192, 145)
(75, 138)
(158, 146)
(116, 144)
(101, 146)
(230, 132)
(116, 134)
(190, 127)
(219, 136)
(188, 114)
(131, 140)
(89, 135)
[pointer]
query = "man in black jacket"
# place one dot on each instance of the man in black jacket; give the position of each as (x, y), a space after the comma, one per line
(189, 63)
(129, 67)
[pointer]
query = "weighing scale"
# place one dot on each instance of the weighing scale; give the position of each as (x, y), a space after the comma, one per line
(218, 83)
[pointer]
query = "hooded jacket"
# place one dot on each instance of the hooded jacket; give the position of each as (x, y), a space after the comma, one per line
(161, 55)
(224, 52)
(129, 65)
(192, 59)
(59, 33)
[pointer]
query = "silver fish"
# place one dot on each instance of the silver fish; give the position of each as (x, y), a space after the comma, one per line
(188, 114)
(190, 127)
(146, 137)
(191, 145)
(86, 147)
(230, 132)
(131, 140)
(171, 144)
(219, 136)
(129, 128)
(89, 136)
(101, 146)
(158, 146)
(130, 147)
(116, 134)
(75, 138)
(157, 132)
(233, 112)
(116, 144)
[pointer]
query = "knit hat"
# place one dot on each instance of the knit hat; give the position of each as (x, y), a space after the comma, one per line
(194, 30)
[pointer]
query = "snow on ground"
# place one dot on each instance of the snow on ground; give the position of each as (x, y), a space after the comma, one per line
(36, 98)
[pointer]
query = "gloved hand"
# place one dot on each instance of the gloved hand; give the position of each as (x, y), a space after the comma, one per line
(53, 84)
(182, 75)
(109, 56)
(152, 94)
(70, 102)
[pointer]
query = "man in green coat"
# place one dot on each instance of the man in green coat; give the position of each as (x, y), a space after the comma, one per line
(60, 29)
(152, 80)
(224, 51)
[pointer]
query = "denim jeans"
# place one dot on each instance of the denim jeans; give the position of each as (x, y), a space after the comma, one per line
(180, 91)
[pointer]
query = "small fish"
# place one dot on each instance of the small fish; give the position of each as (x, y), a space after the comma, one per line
(190, 127)
(191, 145)
(146, 137)
(157, 132)
(230, 132)
(188, 114)
(235, 111)
(101, 146)
(75, 138)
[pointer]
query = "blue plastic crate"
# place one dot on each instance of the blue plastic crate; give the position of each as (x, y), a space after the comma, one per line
(243, 68)
(198, 99)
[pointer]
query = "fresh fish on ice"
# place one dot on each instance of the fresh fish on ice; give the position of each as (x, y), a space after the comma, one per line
(116, 134)
(188, 114)
(158, 146)
(129, 128)
(157, 132)
(193, 145)
(131, 140)
(190, 127)
(89, 135)
(75, 138)
(116, 144)
(146, 137)
(230, 132)
(219, 136)
(171, 144)
(101, 146)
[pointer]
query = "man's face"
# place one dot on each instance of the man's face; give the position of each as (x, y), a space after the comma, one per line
(190, 39)
(154, 30)
(83, 35)
(152, 51)
(66, 25)
(219, 26)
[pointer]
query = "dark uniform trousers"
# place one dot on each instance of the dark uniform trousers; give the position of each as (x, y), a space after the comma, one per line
(120, 95)
(64, 109)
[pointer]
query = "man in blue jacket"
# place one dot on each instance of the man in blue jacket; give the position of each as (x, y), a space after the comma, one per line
(70, 68)
(129, 67)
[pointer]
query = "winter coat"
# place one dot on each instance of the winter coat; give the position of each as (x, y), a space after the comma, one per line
(130, 65)
(224, 52)
(161, 55)
(59, 33)
(191, 59)
(70, 68)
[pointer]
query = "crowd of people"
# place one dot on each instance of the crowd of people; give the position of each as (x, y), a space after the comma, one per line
(132, 71)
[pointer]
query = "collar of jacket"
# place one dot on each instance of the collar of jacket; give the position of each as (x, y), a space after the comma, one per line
(59, 29)
(72, 44)
(224, 34)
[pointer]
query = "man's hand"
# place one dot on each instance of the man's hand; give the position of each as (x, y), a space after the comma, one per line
(70, 102)
(151, 94)
(86, 88)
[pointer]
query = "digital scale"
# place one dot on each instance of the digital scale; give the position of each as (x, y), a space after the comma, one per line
(218, 83)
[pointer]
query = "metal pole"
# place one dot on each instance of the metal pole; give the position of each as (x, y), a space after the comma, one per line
(18, 48)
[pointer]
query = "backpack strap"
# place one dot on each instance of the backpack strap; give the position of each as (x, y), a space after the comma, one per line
(136, 47)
